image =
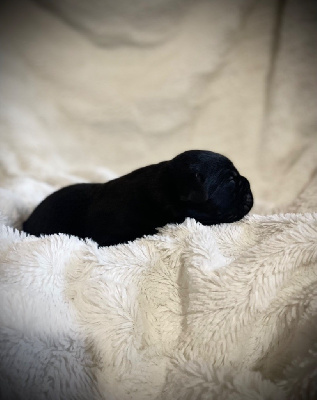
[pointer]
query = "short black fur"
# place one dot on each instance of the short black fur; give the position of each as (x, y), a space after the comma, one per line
(197, 184)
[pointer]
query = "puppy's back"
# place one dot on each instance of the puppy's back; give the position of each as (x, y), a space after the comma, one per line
(63, 211)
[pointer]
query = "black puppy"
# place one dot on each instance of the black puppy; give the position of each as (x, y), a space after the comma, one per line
(197, 184)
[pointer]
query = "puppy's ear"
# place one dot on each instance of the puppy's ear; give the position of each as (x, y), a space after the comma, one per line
(197, 192)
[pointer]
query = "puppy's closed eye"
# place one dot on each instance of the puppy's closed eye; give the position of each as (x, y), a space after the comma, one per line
(200, 177)
(231, 184)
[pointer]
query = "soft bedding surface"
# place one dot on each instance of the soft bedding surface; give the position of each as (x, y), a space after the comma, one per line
(193, 312)
(91, 90)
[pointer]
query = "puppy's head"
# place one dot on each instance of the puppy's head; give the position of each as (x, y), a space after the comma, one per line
(209, 187)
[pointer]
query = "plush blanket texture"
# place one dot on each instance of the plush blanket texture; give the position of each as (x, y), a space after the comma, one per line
(198, 313)
(224, 312)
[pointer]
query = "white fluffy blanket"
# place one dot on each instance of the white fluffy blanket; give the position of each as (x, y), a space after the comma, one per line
(226, 312)
(197, 313)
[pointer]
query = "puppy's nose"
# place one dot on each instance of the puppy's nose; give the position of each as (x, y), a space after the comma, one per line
(248, 202)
